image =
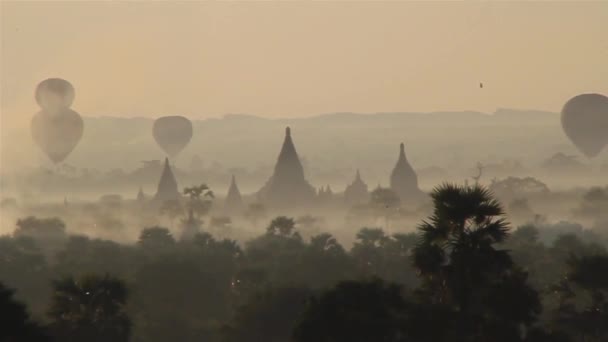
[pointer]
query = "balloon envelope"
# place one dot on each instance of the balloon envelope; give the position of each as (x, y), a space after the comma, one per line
(58, 133)
(585, 122)
(54, 94)
(172, 133)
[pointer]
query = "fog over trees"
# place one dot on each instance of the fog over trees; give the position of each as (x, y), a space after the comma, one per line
(303, 172)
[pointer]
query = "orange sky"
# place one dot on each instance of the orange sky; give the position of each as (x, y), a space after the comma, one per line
(302, 58)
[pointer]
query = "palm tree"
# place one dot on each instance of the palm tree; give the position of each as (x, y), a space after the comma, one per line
(461, 267)
(199, 204)
(200, 200)
(91, 308)
(456, 243)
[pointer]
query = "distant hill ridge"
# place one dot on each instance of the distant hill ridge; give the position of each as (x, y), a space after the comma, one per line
(500, 112)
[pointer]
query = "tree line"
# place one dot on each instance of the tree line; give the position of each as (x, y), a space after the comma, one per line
(464, 275)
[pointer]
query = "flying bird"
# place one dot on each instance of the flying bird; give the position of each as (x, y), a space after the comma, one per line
(480, 85)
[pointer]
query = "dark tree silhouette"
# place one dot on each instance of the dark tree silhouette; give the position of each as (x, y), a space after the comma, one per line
(177, 297)
(355, 312)
(24, 267)
(277, 251)
(387, 257)
(512, 187)
(269, 316)
(35, 227)
(461, 267)
(583, 308)
(15, 322)
(324, 262)
(200, 200)
(156, 238)
(282, 226)
(49, 233)
(91, 308)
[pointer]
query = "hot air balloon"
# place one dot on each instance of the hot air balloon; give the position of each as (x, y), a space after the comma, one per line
(54, 94)
(57, 133)
(585, 122)
(172, 133)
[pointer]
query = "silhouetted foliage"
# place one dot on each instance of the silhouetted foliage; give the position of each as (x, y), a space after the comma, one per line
(355, 311)
(90, 308)
(51, 231)
(269, 315)
(583, 308)
(461, 266)
(461, 277)
(156, 238)
(16, 324)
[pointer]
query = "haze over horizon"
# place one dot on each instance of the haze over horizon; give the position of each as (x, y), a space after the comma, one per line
(298, 59)
(303, 171)
(301, 59)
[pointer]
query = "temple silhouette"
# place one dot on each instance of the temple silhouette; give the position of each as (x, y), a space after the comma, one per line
(287, 187)
(404, 181)
(167, 186)
(141, 197)
(325, 195)
(356, 192)
(234, 202)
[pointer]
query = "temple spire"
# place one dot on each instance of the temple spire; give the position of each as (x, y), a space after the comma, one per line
(288, 186)
(404, 180)
(356, 192)
(140, 195)
(167, 186)
(234, 201)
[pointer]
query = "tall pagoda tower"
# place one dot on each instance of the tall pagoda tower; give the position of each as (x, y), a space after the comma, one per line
(167, 186)
(356, 192)
(234, 202)
(404, 181)
(287, 187)
(140, 195)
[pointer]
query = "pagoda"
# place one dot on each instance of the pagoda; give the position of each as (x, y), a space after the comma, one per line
(233, 203)
(325, 195)
(287, 187)
(404, 181)
(356, 192)
(167, 186)
(140, 195)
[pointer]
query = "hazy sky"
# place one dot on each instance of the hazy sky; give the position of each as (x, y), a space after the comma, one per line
(303, 58)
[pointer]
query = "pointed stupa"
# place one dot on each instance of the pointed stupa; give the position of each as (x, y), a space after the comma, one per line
(140, 195)
(234, 202)
(404, 181)
(325, 194)
(356, 192)
(287, 187)
(167, 186)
